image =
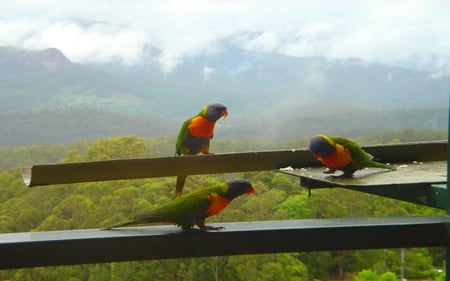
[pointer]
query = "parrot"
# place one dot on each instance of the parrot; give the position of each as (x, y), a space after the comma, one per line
(195, 134)
(339, 153)
(193, 208)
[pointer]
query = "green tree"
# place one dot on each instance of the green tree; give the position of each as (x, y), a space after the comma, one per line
(216, 264)
(76, 211)
(387, 276)
(269, 267)
(318, 264)
(370, 275)
(19, 215)
(294, 207)
(117, 147)
(366, 275)
(284, 182)
(418, 264)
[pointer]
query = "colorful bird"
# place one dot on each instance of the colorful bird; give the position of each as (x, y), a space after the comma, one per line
(192, 209)
(195, 134)
(338, 153)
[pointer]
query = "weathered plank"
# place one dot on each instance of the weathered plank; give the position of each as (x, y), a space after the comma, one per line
(214, 163)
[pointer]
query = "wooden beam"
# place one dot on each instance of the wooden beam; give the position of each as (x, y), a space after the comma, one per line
(164, 166)
(213, 163)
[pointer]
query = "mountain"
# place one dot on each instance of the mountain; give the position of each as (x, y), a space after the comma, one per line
(47, 79)
(66, 125)
(42, 80)
(262, 80)
(246, 81)
(258, 88)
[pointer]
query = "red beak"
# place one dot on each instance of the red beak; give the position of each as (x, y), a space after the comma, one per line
(224, 114)
(250, 190)
(317, 156)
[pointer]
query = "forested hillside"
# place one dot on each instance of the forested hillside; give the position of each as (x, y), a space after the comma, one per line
(71, 124)
(278, 197)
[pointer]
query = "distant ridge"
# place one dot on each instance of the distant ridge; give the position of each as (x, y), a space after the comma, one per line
(247, 82)
(51, 58)
(266, 94)
(68, 125)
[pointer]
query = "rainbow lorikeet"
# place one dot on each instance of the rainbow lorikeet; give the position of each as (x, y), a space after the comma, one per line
(338, 153)
(192, 209)
(195, 134)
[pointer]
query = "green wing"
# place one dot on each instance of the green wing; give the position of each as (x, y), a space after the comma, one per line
(362, 158)
(191, 207)
(358, 154)
(180, 148)
(184, 131)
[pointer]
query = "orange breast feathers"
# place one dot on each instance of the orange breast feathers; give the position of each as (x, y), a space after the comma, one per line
(217, 204)
(201, 127)
(339, 158)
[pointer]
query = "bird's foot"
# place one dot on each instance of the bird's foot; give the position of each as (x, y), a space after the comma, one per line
(203, 228)
(207, 227)
(343, 176)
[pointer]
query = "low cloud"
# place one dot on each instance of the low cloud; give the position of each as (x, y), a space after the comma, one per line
(404, 32)
(207, 73)
(97, 43)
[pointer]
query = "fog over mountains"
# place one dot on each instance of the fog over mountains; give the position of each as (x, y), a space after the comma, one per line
(269, 96)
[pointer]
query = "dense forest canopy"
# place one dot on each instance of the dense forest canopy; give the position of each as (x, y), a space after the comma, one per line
(97, 204)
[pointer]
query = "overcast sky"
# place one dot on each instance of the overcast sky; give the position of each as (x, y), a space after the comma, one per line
(411, 33)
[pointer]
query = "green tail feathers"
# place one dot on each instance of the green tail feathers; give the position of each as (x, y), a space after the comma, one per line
(180, 185)
(129, 223)
(376, 164)
(156, 216)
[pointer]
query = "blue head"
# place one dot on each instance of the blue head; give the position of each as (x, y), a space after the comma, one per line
(321, 145)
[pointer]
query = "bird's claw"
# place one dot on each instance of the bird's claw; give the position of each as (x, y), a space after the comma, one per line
(203, 228)
(207, 227)
(343, 176)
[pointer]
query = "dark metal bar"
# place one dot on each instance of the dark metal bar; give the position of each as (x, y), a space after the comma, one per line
(417, 182)
(160, 242)
(447, 208)
(408, 152)
(214, 163)
(426, 195)
(438, 196)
